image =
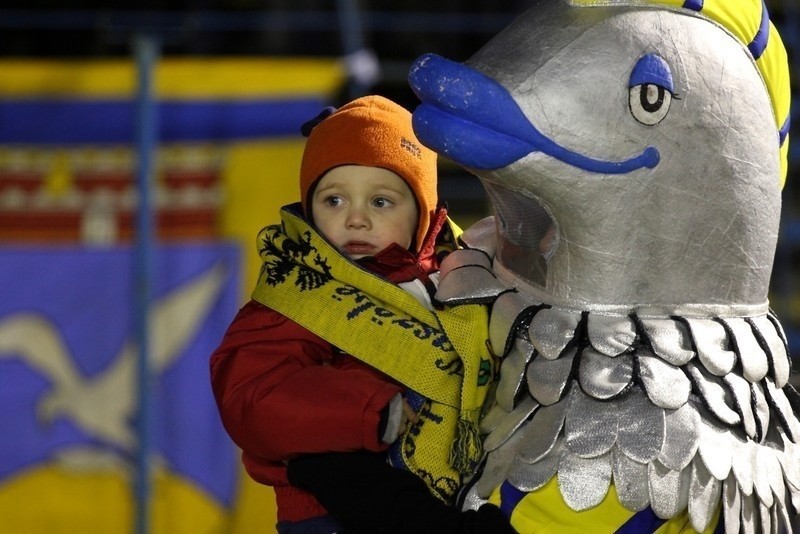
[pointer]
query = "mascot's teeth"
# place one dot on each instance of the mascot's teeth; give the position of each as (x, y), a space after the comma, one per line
(474, 284)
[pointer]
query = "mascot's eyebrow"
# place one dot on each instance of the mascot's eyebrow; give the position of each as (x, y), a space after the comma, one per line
(652, 69)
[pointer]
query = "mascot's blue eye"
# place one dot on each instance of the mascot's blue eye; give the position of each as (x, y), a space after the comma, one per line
(650, 90)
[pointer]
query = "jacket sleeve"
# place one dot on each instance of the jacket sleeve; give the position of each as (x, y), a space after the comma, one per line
(280, 395)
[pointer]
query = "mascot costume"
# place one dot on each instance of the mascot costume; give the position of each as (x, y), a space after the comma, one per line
(634, 153)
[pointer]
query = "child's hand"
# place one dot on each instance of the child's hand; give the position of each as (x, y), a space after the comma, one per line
(409, 415)
(395, 419)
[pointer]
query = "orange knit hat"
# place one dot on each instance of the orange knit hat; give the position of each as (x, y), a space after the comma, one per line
(372, 131)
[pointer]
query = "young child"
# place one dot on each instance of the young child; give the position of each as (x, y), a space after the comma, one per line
(354, 265)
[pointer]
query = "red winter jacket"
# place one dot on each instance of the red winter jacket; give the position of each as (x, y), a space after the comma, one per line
(282, 391)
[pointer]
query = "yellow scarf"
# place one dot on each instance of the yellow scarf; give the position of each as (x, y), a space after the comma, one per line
(441, 355)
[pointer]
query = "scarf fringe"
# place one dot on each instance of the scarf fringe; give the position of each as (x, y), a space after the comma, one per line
(467, 449)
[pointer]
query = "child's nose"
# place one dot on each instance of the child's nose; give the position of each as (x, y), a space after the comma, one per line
(357, 217)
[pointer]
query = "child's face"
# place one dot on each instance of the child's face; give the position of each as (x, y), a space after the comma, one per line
(363, 210)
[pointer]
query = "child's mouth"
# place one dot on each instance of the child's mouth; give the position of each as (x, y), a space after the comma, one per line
(357, 247)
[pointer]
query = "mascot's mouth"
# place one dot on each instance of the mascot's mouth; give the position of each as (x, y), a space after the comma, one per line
(476, 122)
(527, 234)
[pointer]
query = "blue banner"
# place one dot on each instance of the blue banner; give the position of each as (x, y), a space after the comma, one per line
(67, 367)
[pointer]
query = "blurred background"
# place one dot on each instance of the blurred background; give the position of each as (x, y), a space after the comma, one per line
(142, 147)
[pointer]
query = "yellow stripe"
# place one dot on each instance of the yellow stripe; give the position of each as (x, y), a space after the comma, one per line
(174, 78)
(773, 65)
(743, 19)
(784, 160)
(740, 17)
(545, 511)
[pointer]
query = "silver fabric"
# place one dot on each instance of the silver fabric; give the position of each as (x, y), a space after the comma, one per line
(670, 340)
(732, 510)
(782, 520)
(666, 385)
(496, 467)
(761, 478)
(777, 326)
(462, 258)
(715, 448)
(669, 489)
(761, 410)
(505, 311)
(472, 501)
(751, 355)
(547, 379)
(532, 476)
(749, 514)
(654, 287)
(590, 429)
(510, 382)
(743, 464)
(584, 481)
(713, 393)
(712, 340)
(778, 356)
(610, 335)
(790, 460)
(781, 404)
(742, 399)
(467, 285)
(492, 417)
(682, 428)
(604, 377)
(551, 329)
(774, 475)
(766, 519)
(543, 432)
(481, 236)
(630, 480)
(704, 495)
(511, 422)
(642, 427)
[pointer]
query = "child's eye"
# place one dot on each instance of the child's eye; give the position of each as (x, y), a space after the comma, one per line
(333, 200)
(381, 202)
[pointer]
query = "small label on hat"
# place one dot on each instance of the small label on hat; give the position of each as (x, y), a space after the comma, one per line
(411, 147)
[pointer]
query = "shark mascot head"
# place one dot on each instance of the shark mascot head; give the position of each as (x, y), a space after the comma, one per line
(634, 153)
